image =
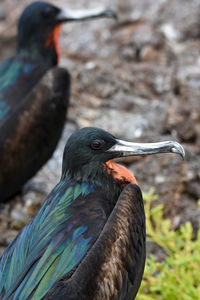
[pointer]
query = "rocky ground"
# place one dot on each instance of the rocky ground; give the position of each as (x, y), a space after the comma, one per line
(139, 78)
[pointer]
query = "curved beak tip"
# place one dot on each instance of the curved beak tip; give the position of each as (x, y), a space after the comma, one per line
(110, 13)
(179, 150)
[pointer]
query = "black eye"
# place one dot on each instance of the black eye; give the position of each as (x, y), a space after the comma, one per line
(49, 12)
(97, 144)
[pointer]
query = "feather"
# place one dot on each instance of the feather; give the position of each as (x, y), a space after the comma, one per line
(32, 101)
(51, 245)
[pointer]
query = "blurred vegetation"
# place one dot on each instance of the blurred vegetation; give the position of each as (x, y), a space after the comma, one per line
(178, 276)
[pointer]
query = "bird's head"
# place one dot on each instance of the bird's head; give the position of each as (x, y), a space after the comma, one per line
(39, 29)
(90, 149)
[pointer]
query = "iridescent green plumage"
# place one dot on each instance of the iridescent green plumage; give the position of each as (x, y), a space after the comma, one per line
(17, 77)
(12, 70)
(49, 247)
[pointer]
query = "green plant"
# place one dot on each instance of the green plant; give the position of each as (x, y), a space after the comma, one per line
(178, 276)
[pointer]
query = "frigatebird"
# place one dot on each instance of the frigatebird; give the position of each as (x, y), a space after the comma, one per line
(87, 242)
(34, 93)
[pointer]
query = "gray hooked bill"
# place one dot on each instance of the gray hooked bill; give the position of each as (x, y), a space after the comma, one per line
(85, 14)
(124, 148)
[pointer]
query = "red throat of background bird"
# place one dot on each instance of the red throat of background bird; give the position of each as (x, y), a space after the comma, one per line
(53, 39)
(120, 172)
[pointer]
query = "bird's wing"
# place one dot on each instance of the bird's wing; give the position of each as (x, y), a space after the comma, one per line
(113, 268)
(53, 243)
(31, 119)
(17, 78)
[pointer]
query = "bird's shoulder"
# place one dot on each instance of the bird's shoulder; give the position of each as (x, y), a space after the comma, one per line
(24, 83)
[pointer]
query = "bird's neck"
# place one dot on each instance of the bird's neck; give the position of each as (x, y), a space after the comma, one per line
(47, 59)
(110, 176)
(45, 50)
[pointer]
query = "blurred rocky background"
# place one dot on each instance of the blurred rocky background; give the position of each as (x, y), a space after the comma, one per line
(139, 78)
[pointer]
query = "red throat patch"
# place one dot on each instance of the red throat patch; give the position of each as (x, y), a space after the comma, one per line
(53, 38)
(120, 172)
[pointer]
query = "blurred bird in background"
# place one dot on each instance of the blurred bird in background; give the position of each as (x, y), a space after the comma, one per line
(88, 239)
(34, 93)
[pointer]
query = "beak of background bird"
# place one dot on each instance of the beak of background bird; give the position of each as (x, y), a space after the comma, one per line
(77, 15)
(123, 148)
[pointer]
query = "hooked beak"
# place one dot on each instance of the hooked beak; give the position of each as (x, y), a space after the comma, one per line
(122, 148)
(77, 15)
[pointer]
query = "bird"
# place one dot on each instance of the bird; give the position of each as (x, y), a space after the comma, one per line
(87, 241)
(34, 93)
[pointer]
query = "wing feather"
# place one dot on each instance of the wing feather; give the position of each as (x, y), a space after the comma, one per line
(52, 244)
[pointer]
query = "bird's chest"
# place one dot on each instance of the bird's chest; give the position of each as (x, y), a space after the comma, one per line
(92, 210)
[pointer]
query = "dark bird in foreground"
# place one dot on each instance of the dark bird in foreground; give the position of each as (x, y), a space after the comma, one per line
(34, 94)
(87, 241)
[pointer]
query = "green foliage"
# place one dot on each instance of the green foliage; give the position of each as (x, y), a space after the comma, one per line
(178, 276)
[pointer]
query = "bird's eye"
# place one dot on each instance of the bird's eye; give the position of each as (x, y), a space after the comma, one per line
(97, 144)
(48, 12)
